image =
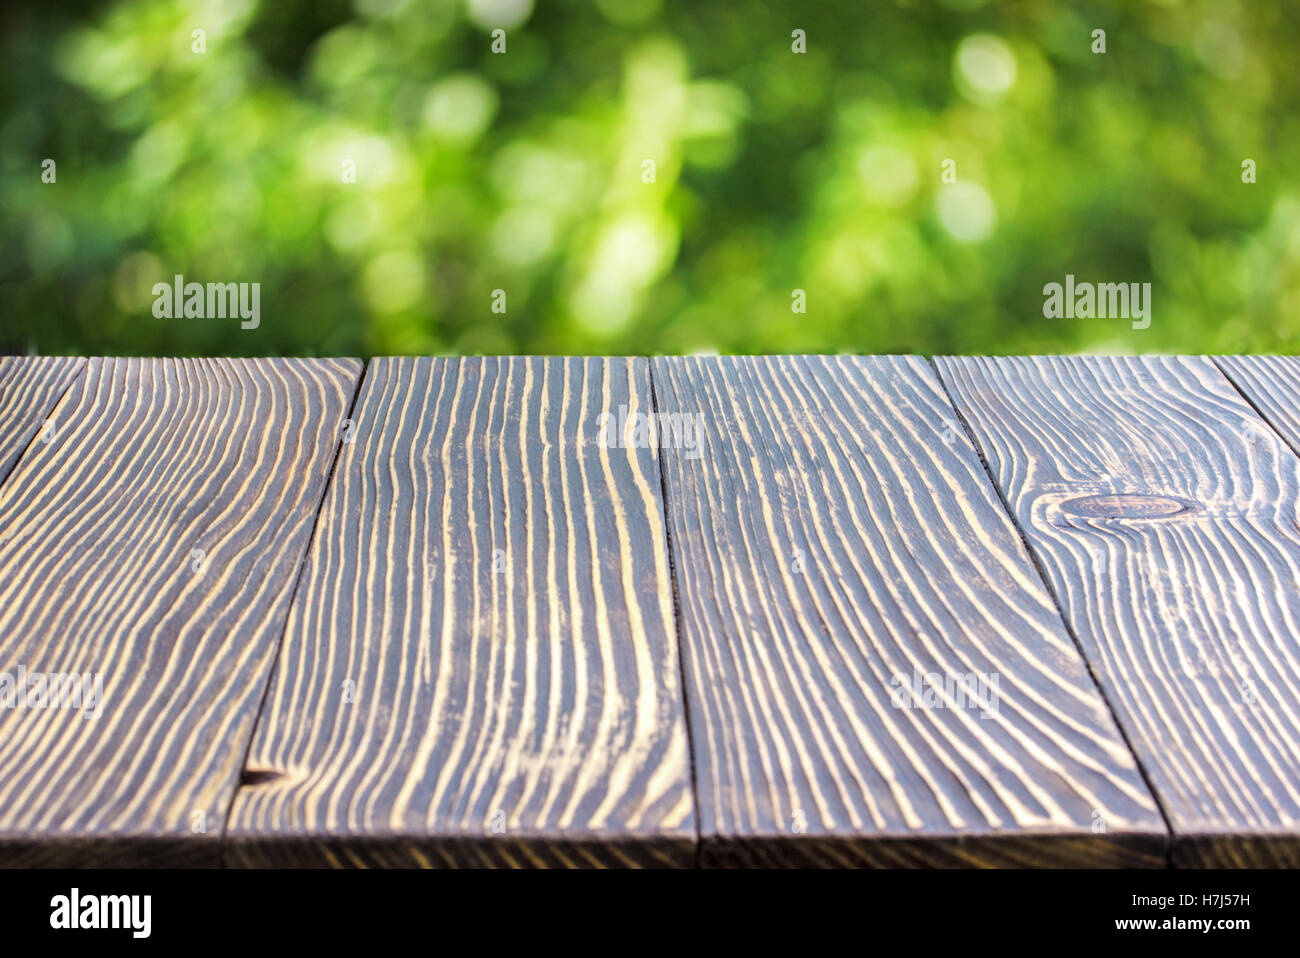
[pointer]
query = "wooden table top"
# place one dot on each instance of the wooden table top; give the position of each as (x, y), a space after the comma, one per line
(691, 612)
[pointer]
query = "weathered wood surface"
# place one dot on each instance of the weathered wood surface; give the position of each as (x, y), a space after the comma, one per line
(156, 541)
(1164, 514)
(833, 530)
(477, 660)
(480, 667)
(29, 388)
(1272, 385)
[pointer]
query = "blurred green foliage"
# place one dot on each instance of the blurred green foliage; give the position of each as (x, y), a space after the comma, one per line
(524, 171)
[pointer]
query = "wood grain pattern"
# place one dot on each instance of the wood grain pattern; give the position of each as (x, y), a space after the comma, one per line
(480, 667)
(833, 531)
(1163, 512)
(153, 460)
(1272, 385)
(29, 388)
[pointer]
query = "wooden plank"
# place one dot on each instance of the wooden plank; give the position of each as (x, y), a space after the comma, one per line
(1272, 385)
(29, 388)
(834, 535)
(154, 544)
(480, 667)
(1163, 513)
